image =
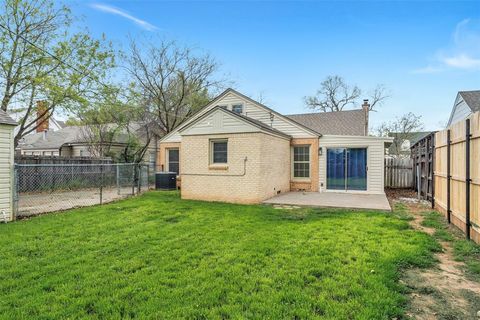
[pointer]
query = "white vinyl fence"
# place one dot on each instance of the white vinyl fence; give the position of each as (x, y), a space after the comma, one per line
(398, 172)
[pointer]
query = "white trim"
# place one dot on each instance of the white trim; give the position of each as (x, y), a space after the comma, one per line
(196, 115)
(214, 103)
(167, 158)
(211, 142)
(292, 157)
(386, 139)
(455, 104)
(346, 146)
(237, 117)
(242, 105)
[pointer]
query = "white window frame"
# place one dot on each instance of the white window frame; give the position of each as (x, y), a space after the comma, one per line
(309, 163)
(212, 142)
(167, 160)
(237, 105)
(348, 146)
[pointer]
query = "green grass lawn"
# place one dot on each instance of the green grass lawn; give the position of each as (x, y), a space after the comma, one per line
(157, 256)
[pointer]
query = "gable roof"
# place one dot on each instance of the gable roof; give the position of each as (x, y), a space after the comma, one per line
(472, 99)
(262, 126)
(222, 95)
(6, 119)
(349, 122)
(56, 139)
(275, 112)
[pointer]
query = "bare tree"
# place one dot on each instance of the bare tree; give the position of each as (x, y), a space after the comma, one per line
(173, 82)
(336, 95)
(41, 61)
(401, 129)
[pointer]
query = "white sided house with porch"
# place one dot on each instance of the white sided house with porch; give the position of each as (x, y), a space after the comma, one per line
(236, 149)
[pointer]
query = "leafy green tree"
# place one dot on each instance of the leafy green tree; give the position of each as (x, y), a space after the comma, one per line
(41, 60)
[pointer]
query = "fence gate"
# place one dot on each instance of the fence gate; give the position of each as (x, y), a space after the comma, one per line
(41, 188)
(398, 172)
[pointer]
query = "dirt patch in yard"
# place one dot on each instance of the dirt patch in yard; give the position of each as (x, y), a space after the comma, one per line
(442, 292)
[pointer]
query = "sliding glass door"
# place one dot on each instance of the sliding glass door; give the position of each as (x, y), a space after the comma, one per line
(347, 169)
(336, 169)
(357, 169)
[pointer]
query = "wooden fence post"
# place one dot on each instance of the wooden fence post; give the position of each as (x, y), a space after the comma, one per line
(432, 145)
(449, 177)
(467, 177)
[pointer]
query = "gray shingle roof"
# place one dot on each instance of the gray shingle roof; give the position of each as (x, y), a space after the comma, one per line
(55, 139)
(349, 122)
(52, 140)
(472, 99)
(5, 119)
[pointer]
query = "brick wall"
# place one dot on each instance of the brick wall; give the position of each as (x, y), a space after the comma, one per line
(265, 172)
(162, 155)
(275, 166)
(310, 184)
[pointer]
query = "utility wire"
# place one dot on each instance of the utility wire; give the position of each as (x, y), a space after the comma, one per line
(66, 63)
(51, 55)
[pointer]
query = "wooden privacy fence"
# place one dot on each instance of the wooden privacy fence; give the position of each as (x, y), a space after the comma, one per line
(398, 172)
(36, 159)
(457, 175)
(423, 161)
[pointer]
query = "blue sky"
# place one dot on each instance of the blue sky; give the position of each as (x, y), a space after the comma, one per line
(423, 51)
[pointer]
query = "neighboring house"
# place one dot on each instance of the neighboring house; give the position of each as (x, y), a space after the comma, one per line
(72, 141)
(55, 124)
(7, 125)
(238, 150)
(466, 103)
(69, 142)
(403, 141)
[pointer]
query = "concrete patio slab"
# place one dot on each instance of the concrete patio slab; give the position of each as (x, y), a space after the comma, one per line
(332, 199)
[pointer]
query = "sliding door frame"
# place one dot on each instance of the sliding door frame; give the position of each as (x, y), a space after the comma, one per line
(346, 147)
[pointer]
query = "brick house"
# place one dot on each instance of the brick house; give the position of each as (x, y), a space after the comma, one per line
(237, 150)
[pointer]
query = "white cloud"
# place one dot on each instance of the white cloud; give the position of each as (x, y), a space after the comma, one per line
(119, 12)
(428, 70)
(463, 52)
(462, 61)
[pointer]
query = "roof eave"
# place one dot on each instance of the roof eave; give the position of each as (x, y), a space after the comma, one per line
(242, 118)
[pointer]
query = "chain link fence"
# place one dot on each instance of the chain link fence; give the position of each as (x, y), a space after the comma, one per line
(41, 188)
